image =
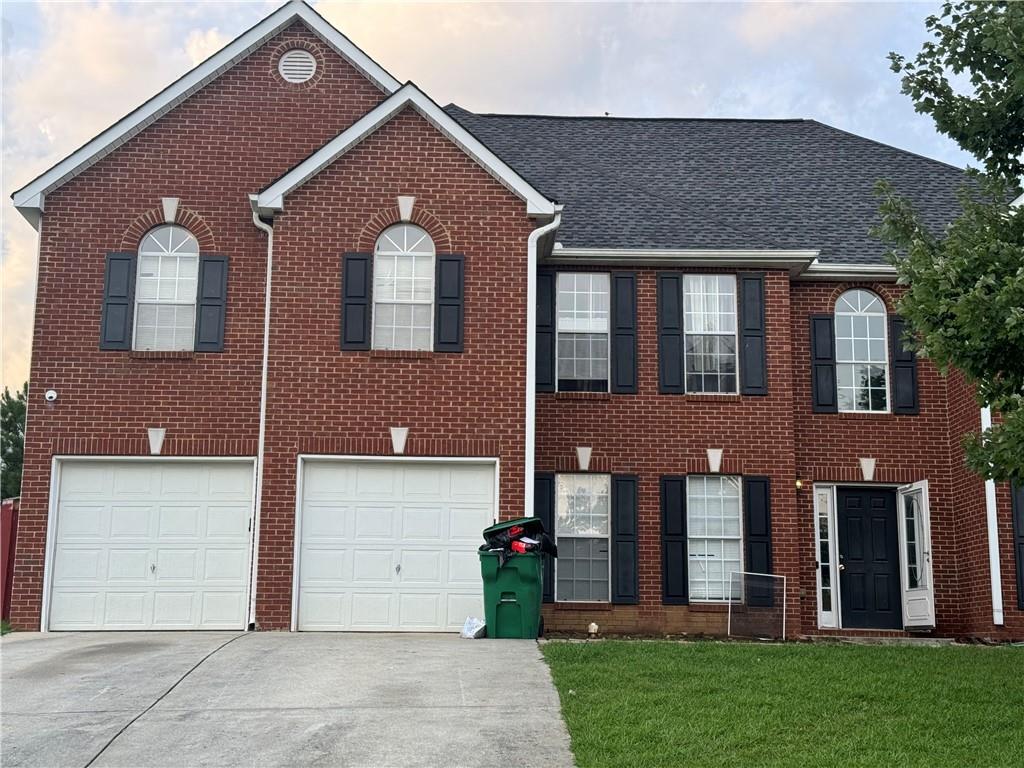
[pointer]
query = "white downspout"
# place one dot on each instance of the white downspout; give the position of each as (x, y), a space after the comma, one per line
(995, 576)
(258, 472)
(531, 357)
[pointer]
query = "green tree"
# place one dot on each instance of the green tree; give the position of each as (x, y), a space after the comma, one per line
(12, 440)
(965, 286)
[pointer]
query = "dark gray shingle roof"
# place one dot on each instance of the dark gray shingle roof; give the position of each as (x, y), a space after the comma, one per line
(708, 183)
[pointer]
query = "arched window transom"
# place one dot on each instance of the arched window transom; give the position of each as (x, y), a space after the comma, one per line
(403, 289)
(862, 358)
(165, 290)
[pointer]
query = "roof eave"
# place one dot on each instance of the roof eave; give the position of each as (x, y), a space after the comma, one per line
(795, 261)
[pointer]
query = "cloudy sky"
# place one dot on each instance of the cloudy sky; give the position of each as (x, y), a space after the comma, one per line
(71, 69)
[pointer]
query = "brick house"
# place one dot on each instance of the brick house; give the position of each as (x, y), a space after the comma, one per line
(301, 333)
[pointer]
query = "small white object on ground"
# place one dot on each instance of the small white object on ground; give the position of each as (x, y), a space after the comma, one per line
(473, 629)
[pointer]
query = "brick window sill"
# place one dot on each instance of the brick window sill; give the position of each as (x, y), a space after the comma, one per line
(583, 606)
(161, 355)
(583, 396)
(861, 416)
(402, 354)
(696, 398)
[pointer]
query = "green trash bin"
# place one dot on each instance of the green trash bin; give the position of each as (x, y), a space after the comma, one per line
(513, 591)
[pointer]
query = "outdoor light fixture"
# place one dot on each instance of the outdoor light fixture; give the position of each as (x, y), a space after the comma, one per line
(799, 484)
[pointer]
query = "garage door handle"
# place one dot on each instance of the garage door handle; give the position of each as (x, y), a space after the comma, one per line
(152, 567)
(398, 568)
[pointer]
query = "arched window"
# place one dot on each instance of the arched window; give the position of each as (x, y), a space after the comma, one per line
(403, 289)
(862, 358)
(165, 290)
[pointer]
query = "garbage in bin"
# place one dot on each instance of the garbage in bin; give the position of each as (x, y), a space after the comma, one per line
(512, 567)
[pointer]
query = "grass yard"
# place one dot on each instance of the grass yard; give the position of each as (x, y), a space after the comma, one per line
(656, 703)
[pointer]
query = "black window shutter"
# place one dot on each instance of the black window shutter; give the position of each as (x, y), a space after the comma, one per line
(545, 335)
(211, 303)
(623, 333)
(904, 370)
(625, 555)
(823, 364)
(118, 301)
(356, 299)
(544, 508)
(1017, 504)
(675, 584)
(449, 303)
(758, 530)
(670, 333)
(753, 367)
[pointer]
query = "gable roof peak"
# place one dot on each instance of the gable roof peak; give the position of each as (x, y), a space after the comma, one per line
(30, 199)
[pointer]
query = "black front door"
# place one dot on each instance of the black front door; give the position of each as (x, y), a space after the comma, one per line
(869, 559)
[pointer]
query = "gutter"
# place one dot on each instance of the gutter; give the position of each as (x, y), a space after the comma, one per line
(992, 520)
(257, 489)
(531, 358)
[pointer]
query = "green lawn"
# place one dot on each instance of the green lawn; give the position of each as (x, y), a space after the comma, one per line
(4, 627)
(644, 703)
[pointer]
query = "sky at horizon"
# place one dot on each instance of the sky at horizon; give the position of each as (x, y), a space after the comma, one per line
(72, 69)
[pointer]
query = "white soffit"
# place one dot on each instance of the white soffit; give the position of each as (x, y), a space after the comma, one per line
(272, 198)
(30, 199)
(796, 261)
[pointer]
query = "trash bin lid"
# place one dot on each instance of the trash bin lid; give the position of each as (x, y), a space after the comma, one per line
(534, 527)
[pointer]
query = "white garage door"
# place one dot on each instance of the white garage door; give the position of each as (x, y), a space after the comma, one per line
(388, 546)
(151, 545)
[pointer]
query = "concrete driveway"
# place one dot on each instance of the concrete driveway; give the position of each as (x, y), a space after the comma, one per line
(266, 699)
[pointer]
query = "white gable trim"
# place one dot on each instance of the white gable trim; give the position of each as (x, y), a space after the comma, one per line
(30, 199)
(272, 198)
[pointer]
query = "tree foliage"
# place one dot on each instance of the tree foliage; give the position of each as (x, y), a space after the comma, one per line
(965, 286)
(12, 440)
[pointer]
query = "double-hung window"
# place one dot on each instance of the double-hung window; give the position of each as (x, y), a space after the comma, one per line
(709, 355)
(403, 289)
(582, 530)
(583, 305)
(714, 537)
(165, 290)
(861, 352)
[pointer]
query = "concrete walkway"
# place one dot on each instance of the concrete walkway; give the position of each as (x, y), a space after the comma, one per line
(269, 699)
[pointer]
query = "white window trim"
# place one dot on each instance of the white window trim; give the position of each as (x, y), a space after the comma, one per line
(825, 503)
(735, 334)
(607, 537)
(608, 333)
(399, 302)
(740, 538)
(885, 345)
(169, 302)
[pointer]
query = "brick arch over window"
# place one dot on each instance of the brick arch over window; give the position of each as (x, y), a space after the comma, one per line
(154, 217)
(421, 217)
(882, 291)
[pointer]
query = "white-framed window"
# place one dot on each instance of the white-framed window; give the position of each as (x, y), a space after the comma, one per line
(165, 290)
(862, 358)
(709, 318)
(582, 532)
(714, 531)
(583, 311)
(403, 289)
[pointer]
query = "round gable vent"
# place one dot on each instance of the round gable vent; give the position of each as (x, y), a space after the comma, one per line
(297, 66)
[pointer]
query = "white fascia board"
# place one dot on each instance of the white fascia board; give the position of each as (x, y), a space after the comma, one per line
(877, 272)
(796, 261)
(272, 198)
(31, 197)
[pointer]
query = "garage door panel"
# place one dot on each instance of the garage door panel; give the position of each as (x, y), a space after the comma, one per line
(420, 567)
(372, 610)
(160, 544)
(179, 522)
(359, 520)
(423, 523)
(130, 522)
(81, 521)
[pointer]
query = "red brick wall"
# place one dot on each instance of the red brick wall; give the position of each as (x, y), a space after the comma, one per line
(228, 140)
(650, 435)
(323, 400)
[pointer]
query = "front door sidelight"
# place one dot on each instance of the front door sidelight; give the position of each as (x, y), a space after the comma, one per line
(918, 598)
